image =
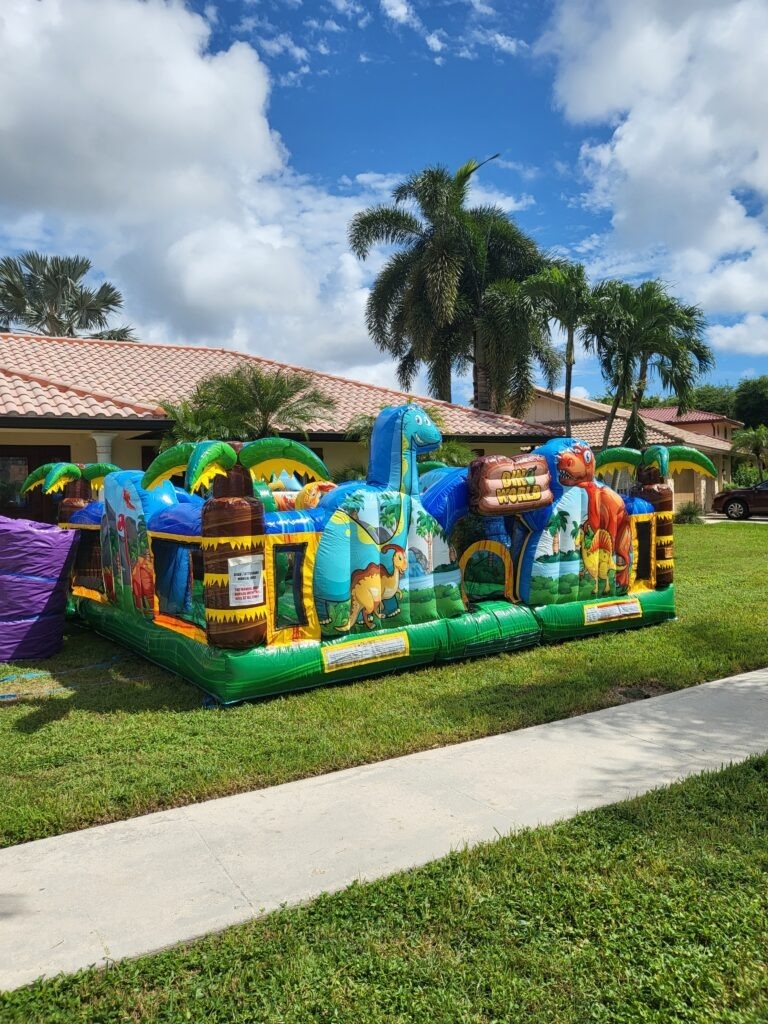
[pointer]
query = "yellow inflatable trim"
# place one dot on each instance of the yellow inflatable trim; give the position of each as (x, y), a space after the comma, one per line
(212, 578)
(236, 614)
(245, 541)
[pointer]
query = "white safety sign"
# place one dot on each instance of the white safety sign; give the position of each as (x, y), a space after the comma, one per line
(246, 580)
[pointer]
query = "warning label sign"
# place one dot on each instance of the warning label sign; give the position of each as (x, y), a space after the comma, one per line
(246, 580)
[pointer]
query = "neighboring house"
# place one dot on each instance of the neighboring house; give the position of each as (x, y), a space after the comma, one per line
(712, 424)
(709, 432)
(84, 400)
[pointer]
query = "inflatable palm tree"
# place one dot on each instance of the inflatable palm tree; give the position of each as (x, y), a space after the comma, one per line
(650, 468)
(653, 465)
(238, 476)
(76, 480)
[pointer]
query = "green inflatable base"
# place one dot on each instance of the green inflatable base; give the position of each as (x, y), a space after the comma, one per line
(490, 627)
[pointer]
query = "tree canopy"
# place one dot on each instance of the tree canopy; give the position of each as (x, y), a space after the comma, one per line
(444, 299)
(246, 403)
(47, 295)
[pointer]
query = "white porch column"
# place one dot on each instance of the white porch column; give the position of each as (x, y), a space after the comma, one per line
(103, 441)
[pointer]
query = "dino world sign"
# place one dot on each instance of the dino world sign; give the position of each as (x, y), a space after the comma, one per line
(500, 484)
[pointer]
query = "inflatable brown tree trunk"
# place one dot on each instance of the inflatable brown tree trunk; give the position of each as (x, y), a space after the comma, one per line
(654, 490)
(233, 559)
(77, 495)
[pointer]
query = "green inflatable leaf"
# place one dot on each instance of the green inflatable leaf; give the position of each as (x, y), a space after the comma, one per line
(94, 472)
(268, 457)
(36, 477)
(167, 464)
(683, 457)
(209, 459)
(657, 455)
(610, 460)
(61, 474)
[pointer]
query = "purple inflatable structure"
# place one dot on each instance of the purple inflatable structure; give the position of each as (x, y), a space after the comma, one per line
(35, 559)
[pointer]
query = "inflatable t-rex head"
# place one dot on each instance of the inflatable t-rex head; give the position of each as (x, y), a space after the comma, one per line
(575, 464)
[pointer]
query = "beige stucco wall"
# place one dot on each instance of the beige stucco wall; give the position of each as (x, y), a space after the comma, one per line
(338, 454)
(126, 450)
(545, 409)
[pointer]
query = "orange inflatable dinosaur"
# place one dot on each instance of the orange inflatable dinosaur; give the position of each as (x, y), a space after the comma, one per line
(605, 510)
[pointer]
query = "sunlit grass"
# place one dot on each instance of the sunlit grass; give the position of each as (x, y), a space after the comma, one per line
(653, 911)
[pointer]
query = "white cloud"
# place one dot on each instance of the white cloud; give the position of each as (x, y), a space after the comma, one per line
(683, 170)
(401, 12)
(434, 42)
(526, 171)
(486, 195)
(498, 41)
(283, 43)
(123, 137)
(750, 336)
(346, 7)
(579, 392)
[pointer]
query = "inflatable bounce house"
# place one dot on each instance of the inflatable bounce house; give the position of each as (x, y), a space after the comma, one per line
(259, 576)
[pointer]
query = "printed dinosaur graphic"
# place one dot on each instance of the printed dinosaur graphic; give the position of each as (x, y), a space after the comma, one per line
(372, 586)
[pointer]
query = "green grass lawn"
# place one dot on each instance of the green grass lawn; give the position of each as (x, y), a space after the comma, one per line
(652, 911)
(125, 737)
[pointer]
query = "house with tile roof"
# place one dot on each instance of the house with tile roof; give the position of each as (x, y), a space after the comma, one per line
(588, 420)
(711, 424)
(86, 400)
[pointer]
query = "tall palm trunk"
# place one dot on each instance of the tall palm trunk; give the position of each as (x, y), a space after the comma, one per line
(233, 527)
(611, 417)
(481, 381)
(569, 361)
(642, 382)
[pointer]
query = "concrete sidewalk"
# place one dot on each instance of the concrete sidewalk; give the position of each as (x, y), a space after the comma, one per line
(135, 886)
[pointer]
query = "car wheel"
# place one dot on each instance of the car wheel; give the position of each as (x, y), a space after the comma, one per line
(736, 509)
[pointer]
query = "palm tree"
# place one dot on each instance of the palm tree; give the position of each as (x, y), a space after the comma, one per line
(425, 305)
(562, 293)
(194, 420)
(753, 441)
(46, 295)
(669, 342)
(558, 522)
(247, 403)
(610, 332)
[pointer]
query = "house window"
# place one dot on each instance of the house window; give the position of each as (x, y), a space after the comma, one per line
(478, 452)
(318, 451)
(14, 470)
(16, 463)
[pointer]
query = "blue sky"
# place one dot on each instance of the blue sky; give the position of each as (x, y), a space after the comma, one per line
(209, 155)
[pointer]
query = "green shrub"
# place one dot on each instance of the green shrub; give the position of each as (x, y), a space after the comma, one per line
(690, 513)
(744, 475)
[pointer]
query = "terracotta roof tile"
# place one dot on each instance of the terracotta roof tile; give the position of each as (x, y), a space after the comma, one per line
(669, 414)
(134, 374)
(22, 394)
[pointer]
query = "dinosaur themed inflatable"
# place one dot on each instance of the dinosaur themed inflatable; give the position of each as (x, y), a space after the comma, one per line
(259, 576)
